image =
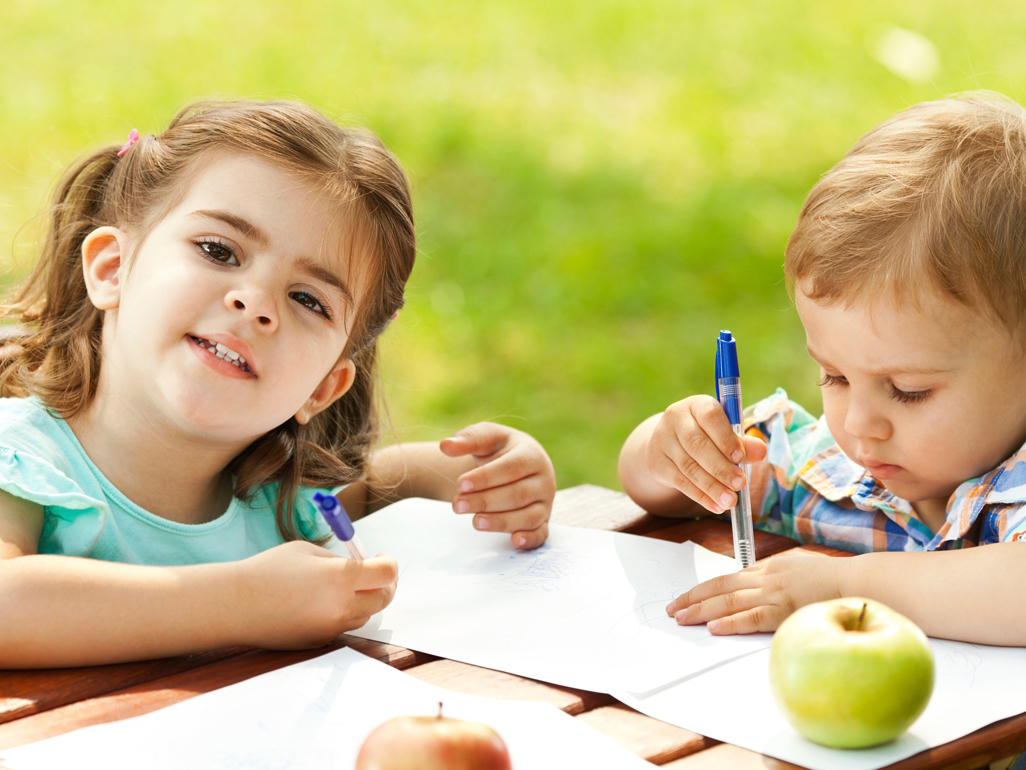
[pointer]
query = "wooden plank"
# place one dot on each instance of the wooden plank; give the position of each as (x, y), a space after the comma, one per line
(988, 744)
(650, 739)
(726, 755)
(474, 680)
(717, 536)
(598, 508)
(152, 695)
(31, 691)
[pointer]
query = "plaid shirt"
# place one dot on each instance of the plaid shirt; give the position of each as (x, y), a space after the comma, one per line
(808, 490)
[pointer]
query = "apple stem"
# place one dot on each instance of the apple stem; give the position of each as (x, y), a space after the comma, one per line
(862, 616)
(439, 709)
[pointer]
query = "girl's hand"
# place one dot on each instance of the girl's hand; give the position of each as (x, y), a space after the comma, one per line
(759, 597)
(513, 486)
(298, 595)
(693, 449)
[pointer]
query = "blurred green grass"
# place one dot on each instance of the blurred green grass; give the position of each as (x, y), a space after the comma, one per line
(599, 186)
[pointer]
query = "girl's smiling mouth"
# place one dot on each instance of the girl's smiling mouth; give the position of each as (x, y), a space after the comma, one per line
(224, 354)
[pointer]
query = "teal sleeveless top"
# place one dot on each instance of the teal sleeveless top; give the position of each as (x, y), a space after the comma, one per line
(42, 461)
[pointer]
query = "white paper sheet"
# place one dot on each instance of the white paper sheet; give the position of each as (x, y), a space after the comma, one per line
(975, 685)
(312, 716)
(586, 610)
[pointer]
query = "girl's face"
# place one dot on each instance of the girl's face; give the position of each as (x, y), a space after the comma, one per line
(924, 400)
(247, 264)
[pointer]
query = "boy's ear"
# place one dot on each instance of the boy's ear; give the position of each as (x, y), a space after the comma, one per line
(102, 251)
(333, 387)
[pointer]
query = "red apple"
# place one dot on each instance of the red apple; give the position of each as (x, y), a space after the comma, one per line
(433, 743)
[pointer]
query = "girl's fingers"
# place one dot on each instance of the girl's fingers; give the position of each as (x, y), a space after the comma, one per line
(481, 440)
(531, 517)
(525, 540)
(378, 572)
(502, 470)
(511, 497)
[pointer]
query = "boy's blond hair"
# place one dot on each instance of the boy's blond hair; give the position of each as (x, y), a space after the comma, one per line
(935, 198)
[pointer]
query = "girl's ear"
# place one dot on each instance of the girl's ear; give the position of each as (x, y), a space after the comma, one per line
(333, 387)
(102, 250)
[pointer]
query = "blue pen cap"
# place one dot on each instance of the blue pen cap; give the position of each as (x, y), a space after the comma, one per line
(727, 369)
(335, 515)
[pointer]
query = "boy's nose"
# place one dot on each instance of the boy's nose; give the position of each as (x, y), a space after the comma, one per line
(862, 421)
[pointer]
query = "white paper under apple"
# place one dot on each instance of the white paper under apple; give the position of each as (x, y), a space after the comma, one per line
(312, 716)
(586, 610)
(975, 685)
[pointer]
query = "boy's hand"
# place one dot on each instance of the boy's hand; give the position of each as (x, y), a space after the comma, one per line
(760, 597)
(693, 449)
(299, 595)
(512, 488)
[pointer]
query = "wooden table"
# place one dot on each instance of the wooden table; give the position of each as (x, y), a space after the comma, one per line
(43, 703)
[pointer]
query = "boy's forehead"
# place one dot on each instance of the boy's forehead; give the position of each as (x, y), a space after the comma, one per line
(883, 336)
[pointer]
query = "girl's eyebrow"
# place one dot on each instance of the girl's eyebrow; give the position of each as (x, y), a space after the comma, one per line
(899, 370)
(244, 226)
(250, 230)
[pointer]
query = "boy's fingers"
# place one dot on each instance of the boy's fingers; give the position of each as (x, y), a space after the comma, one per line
(511, 497)
(713, 421)
(755, 449)
(481, 440)
(529, 517)
(667, 472)
(718, 607)
(707, 590)
(716, 496)
(755, 620)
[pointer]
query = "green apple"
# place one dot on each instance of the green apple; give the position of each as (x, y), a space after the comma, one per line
(850, 673)
(433, 743)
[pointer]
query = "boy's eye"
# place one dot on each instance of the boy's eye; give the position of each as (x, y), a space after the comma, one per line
(311, 302)
(829, 379)
(910, 397)
(217, 252)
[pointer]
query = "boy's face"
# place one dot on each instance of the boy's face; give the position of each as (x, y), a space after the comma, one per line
(923, 399)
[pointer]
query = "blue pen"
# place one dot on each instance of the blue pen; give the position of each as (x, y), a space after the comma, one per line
(728, 392)
(333, 512)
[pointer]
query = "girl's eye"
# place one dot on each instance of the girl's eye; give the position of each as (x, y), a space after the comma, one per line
(217, 252)
(311, 302)
(827, 380)
(910, 397)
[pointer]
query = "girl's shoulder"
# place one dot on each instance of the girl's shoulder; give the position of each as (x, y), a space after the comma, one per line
(27, 425)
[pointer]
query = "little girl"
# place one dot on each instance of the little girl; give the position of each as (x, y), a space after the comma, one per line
(197, 358)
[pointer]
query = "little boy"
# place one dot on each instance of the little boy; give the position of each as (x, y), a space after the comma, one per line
(908, 264)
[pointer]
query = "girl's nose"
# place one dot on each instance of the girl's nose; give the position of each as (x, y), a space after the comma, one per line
(256, 306)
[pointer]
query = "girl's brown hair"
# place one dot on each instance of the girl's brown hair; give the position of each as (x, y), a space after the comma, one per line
(58, 356)
(934, 197)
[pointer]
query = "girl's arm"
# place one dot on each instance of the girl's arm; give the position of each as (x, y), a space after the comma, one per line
(500, 475)
(66, 611)
(968, 595)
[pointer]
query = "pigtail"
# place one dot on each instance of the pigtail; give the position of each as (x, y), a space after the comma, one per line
(55, 354)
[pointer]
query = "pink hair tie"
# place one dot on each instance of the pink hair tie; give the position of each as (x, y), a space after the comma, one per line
(133, 137)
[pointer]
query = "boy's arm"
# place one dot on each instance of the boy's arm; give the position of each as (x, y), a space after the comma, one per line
(967, 595)
(67, 611)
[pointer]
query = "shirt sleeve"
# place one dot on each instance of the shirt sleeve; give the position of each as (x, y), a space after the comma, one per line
(73, 520)
(792, 437)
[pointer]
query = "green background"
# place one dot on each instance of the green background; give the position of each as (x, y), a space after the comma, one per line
(599, 186)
